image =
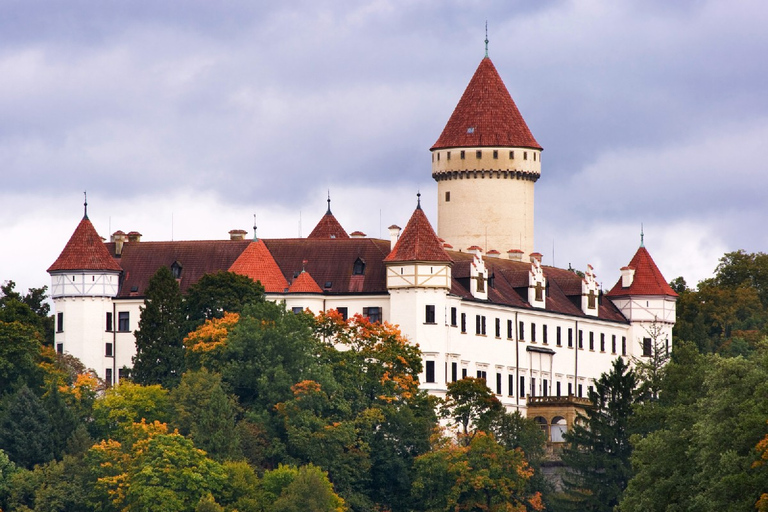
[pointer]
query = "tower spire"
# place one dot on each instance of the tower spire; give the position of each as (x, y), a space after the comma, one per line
(85, 204)
(486, 38)
(255, 238)
(642, 236)
(418, 200)
(329, 203)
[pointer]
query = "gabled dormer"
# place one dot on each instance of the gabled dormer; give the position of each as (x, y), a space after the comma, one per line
(590, 293)
(537, 283)
(478, 282)
(418, 259)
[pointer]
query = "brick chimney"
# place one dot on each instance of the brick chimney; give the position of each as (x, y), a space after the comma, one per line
(237, 234)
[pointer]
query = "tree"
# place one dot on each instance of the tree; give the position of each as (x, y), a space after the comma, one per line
(30, 309)
(125, 404)
(219, 293)
(307, 488)
(598, 450)
(25, 429)
(20, 350)
(159, 355)
(650, 369)
(470, 404)
(482, 475)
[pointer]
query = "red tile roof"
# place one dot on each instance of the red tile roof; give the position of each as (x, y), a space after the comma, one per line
(85, 251)
(647, 280)
(328, 227)
(486, 115)
(304, 284)
(418, 242)
(257, 263)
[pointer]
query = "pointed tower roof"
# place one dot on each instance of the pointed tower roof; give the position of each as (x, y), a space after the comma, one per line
(486, 115)
(647, 279)
(418, 242)
(304, 284)
(257, 263)
(328, 227)
(85, 251)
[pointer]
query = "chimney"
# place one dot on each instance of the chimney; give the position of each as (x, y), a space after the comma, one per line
(394, 234)
(515, 255)
(493, 253)
(118, 237)
(134, 236)
(476, 250)
(237, 234)
(536, 256)
(357, 234)
(627, 277)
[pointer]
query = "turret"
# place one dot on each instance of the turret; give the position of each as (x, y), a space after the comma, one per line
(486, 162)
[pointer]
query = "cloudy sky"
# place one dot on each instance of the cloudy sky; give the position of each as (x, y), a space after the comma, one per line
(184, 119)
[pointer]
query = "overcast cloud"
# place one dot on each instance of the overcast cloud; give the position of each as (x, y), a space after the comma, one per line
(184, 119)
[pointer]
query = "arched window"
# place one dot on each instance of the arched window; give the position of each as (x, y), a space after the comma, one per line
(176, 270)
(359, 267)
(557, 429)
(542, 423)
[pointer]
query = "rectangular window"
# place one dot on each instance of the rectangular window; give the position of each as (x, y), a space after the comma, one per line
(557, 388)
(462, 154)
(559, 340)
(108, 377)
(498, 327)
(59, 322)
(511, 155)
(430, 370)
(463, 373)
(544, 385)
(623, 345)
(533, 386)
(495, 154)
(297, 309)
(570, 389)
(482, 325)
(108, 350)
(453, 317)
(647, 347)
(464, 322)
(521, 388)
(581, 339)
(429, 314)
(525, 155)
(482, 374)
(613, 344)
(110, 326)
(570, 337)
(344, 312)
(478, 154)
(123, 373)
(448, 155)
(511, 384)
(533, 332)
(602, 342)
(123, 321)
(454, 372)
(544, 334)
(509, 329)
(477, 324)
(448, 196)
(591, 340)
(498, 383)
(373, 314)
(580, 391)
(521, 334)
(59, 348)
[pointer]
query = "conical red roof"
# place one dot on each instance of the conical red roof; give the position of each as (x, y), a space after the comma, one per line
(257, 263)
(85, 251)
(304, 284)
(486, 115)
(647, 280)
(418, 242)
(328, 227)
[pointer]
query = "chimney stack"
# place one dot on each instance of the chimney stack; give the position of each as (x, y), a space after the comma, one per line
(134, 236)
(394, 234)
(627, 276)
(515, 255)
(237, 234)
(118, 237)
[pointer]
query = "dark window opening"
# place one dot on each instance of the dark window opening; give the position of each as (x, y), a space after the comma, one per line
(373, 314)
(544, 334)
(602, 342)
(498, 327)
(570, 389)
(533, 386)
(591, 340)
(511, 155)
(59, 322)
(623, 345)
(344, 312)
(297, 309)
(613, 344)
(533, 332)
(496, 154)
(453, 317)
(429, 314)
(521, 387)
(478, 153)
(580, 391)
(559, 340)
(463, 373)
(462, 154)
(570, 337)
(581, 339)
(176, 270)
(454, 372)
(448, 197)
(123, 321)
(59, 348)
(511, 384)
(482, 374)
(430, 371)
(464, 322)
(647, 347)
(108, 349)
(448, 155)
(525, 155)
(509, 329)
(557, 388)
(110, 325)
(108, 377)
(498, 383)
(544, 386)
(521, 334)
(358, 268)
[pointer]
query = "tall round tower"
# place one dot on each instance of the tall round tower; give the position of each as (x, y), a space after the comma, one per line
(485, 163)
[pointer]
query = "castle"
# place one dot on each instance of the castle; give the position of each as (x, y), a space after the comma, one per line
(474, 295)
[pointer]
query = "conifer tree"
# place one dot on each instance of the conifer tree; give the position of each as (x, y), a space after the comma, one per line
(598, 450)
(159, 355)
(25, 429)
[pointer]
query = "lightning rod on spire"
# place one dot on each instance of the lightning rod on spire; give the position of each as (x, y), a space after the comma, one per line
(85, 204)
(486, 38)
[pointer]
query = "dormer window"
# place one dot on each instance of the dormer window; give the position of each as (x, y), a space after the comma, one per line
(492, 281)
(176, 270)
(359, 267)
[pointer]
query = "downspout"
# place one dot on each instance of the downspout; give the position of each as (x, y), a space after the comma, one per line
(517, 361)
(576, 361)
(114, 344)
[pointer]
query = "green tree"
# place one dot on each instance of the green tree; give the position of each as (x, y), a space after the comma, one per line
(125, 404)
(598, 450)
(470, 404)
(25, 429)
(7, 470)
(306, 488)
(30, 309)
(20, 351)
(219, 293)
(159, 355)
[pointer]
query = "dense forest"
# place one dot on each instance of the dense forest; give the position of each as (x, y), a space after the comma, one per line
(236, 404)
